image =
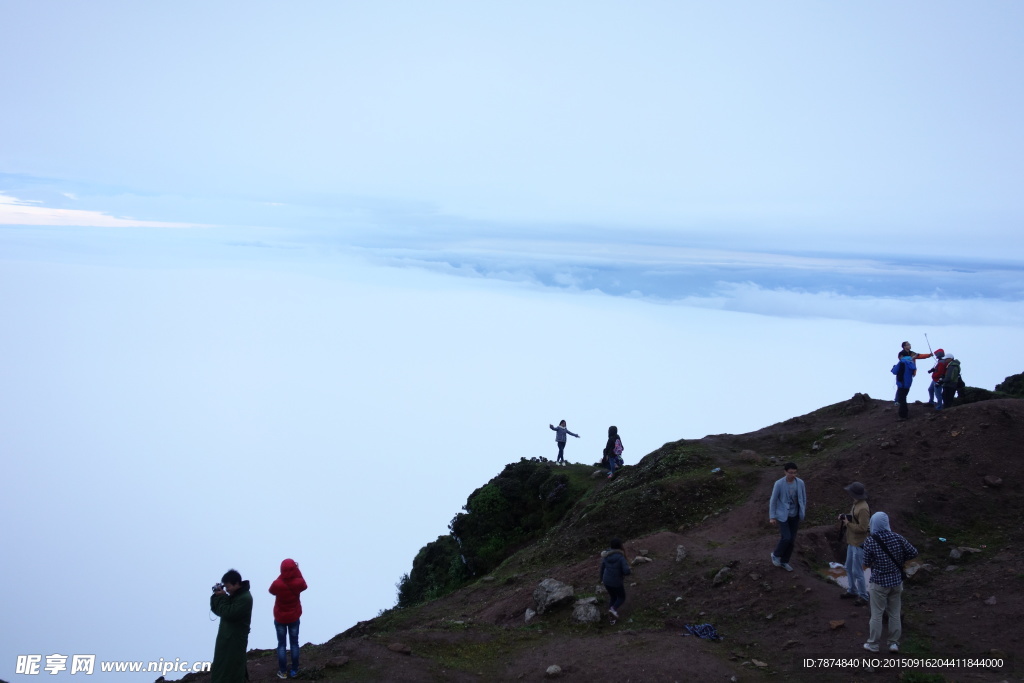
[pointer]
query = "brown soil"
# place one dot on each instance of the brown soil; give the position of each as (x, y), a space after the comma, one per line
(927, 473)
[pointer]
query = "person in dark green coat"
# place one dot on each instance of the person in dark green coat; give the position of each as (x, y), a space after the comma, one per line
(232, 602)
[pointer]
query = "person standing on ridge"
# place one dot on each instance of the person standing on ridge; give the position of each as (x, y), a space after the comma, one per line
(786, 509)
(613, 568)
(612, 451)
(560, 432)
(905, 350)
(287, 610)
(885, 552)
(935, 388)
(856, 524)
(232, 602)
(951, 381)
(904, 371)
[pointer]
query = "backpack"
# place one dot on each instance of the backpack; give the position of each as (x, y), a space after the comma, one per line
(618, 447)
(898, 370)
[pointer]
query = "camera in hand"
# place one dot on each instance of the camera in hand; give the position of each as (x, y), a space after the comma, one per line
(218, 587)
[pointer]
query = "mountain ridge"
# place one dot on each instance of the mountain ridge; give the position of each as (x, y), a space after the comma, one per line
(947, 479)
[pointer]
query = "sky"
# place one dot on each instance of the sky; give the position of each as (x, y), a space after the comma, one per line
(293, 281)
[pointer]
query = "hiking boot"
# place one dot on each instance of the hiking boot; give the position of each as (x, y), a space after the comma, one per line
(611, 611)
(787, 566)
(294, 673)
(776, 561)
(870, 648)
(847, 596)
(859, 602)
(894, 647)
(281, 674)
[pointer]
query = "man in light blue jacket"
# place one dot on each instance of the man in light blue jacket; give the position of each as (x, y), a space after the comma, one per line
(786, 509)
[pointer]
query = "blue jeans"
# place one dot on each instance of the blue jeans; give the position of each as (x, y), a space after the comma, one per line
(855, 571)
(616, 595)
(293, 637)
(787, 538)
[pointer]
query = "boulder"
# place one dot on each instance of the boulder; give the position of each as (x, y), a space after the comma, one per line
(551, 593)
(553, 671)
(585, 612)
(680, 553)
(721, 577)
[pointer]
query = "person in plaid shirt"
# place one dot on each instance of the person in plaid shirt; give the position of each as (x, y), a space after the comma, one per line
(886, 579)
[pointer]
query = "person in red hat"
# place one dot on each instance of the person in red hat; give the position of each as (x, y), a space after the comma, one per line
(287, 610)
(935, 389)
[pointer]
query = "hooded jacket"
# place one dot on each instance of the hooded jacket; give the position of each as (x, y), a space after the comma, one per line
(952, 376)
(609, 447)
(907, 372)
(286, 588)
(940, 369)
(235, 612)
(613, 568)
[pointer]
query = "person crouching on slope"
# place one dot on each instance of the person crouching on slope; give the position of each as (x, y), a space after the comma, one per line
(612, 454)
(613, 568)
(287, 610)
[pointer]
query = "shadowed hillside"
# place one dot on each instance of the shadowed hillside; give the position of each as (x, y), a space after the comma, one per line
(693, 508)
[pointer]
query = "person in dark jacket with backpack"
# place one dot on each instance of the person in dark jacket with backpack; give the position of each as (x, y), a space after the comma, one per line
(885, 552)
(613, 568)
(612, 451)
(951, 381)
(287, 610)
(904, 371)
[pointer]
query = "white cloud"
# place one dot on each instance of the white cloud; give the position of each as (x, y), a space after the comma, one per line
(14, 211)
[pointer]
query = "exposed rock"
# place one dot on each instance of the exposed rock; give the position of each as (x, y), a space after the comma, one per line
(721, 577)
(553, 671)
(759, 664)
(992, 481)
(487, 579)
(336, 662)
(815, 446)
(912, 568)
(643, 552)
(836, 624)
(790, 643)
(585, 612)
(960, 551)
(640, 559)
(400, 648)
(530, 614)
(680, 553)
(551, 593)
(991, 600)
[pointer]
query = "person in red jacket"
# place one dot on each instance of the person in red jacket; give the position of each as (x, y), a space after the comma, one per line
(287, 610)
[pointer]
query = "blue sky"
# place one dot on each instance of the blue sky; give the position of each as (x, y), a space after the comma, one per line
(268, 270)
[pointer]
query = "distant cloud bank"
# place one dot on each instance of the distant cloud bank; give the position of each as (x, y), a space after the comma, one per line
(15, 211)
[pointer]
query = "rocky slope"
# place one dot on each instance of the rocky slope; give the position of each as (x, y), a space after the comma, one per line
(947, 480)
